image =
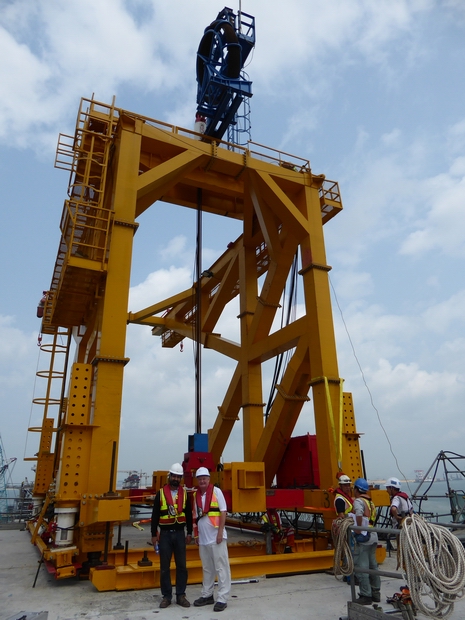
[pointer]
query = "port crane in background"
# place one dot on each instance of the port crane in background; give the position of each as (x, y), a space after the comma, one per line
(120, 164)
(134, 478)
(6, 467)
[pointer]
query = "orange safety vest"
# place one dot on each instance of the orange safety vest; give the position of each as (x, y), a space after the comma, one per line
(212, 509)
(171, 512)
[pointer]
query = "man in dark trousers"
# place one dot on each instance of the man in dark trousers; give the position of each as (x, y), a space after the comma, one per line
(171, 516)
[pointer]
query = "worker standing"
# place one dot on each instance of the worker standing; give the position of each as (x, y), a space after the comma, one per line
(171, 516)
(401, 506)
(343, 502)
(343, 506)
(209, 509)
(365, 545)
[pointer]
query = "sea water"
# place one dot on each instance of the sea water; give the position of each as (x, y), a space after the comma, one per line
(435, 497)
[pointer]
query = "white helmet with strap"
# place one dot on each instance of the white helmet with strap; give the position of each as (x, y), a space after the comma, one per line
(202, 471)
(176, 469)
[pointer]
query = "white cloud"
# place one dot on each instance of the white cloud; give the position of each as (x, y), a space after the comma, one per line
(440, 317)
(438, 228)
(353, 284)
(348, 85)
(175, 248)
(159, 285)
(67, 50)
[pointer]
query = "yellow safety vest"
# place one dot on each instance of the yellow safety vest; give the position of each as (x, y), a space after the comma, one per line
(166, 518)
(349, 506)
(370, 509)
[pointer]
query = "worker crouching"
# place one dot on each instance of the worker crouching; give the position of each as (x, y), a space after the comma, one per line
(282, 538)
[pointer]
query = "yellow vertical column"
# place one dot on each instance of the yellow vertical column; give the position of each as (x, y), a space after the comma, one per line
(322, 346)
(252, 397)
(111, 318)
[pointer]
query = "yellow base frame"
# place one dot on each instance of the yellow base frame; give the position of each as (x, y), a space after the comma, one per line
(135, 577)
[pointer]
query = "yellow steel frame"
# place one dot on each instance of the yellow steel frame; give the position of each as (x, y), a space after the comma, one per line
(120, 164)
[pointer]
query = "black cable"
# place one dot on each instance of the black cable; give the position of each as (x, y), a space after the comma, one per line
(291, 303)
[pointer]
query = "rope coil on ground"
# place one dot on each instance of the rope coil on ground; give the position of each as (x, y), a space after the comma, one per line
(343, 560)
(433, 561)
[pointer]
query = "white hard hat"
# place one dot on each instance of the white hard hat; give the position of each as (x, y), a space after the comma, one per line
(202, 471)
(344, 479)
(393, 482)
(176, 469)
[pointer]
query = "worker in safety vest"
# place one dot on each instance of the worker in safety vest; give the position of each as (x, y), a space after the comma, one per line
(401, 506)
(343, 502)
(209, 511)
(343, 506)
(271, 522)
(365, 545)
(171, 516)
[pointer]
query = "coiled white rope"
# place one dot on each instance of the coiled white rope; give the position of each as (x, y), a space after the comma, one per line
(433, 561)
(343, 560)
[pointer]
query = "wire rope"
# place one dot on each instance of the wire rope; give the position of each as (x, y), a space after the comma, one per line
(288, 315)
(364, 381)
(433, 561)
(343, 559)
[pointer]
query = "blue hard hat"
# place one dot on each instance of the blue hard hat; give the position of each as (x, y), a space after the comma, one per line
(361, 484)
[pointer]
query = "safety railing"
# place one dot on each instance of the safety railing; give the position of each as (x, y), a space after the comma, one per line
(86, 219)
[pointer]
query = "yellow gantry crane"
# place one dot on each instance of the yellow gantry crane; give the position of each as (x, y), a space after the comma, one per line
(120, 164)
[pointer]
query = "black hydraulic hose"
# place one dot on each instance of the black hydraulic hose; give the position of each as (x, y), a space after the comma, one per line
(224, 33)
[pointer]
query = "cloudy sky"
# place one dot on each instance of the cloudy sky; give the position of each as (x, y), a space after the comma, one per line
(371, 91)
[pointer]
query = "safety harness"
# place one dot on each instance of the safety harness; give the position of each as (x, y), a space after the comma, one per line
(171, 512)
(409, 510)
(370, 509)
(211, 508)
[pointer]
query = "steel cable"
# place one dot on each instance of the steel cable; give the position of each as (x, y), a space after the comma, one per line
(433, 561)
(343, 560)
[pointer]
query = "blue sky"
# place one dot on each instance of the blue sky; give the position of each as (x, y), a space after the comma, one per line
(370, 91)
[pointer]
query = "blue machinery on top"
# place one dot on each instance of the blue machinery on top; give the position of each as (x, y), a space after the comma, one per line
(222, 87)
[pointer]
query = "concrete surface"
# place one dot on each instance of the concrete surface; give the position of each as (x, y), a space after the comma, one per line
(317, 596)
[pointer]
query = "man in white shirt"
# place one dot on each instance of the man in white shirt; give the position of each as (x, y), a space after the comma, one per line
(209, 511)
(401, 506)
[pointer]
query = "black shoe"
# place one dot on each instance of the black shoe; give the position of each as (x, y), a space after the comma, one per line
(364, 600)
(166, 602)
(376, 598)
(219, 606)
(182, 601)
(200, 602)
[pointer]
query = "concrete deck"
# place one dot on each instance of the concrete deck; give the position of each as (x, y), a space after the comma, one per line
(317, 596)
